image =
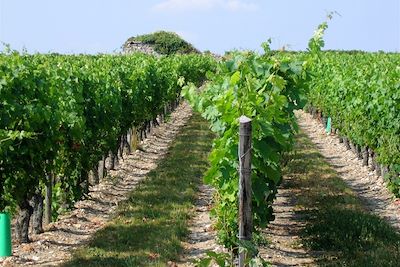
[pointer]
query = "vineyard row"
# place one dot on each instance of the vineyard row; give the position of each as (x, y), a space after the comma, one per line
(361, 94)
(61, 116)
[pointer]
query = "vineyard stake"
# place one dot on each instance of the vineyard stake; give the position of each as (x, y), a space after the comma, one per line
(245, 216)
(48, 198)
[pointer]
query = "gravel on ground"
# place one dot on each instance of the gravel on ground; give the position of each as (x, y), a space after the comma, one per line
(370, 188)
(75, 228)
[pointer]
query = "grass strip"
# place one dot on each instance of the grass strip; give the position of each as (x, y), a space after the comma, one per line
(148, 228)
(337, 224)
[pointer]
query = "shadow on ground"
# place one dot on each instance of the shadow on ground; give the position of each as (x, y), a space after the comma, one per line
(148, 228)
(337, 225)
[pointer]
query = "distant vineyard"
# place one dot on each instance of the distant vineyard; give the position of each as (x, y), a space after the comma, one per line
(60, 115)
(361, 93)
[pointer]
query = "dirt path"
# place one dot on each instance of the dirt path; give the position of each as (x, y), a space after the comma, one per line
(202, 237)
(370, 188)
(283, 233)
(285, 247)
(54, 246)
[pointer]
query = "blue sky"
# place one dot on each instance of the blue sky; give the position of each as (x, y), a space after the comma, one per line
(101, 26)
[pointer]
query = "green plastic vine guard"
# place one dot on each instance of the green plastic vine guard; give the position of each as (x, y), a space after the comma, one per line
(5, 235)
(328, 126)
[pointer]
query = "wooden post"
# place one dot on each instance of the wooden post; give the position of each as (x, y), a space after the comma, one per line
(48, 198)
(359, 152)
(112, 160)
(37, 215)
(126, 143)
(245, 215)
(134, 139)
(95, 174)
(372, 159)
(346, 143)
(378, 169)
(121, 147)
(102, 168)
(365, 154)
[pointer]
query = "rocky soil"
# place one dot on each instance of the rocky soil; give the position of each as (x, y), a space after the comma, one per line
(285, 248)
(202, 237)
(370, 188)
(75, 228)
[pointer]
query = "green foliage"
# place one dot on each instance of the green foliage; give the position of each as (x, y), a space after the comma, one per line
(393, 179)
(317, 42)
(361, 92)
(223, 259)
(57, 200)
(267, 90)
(61, 113)
(166, 43)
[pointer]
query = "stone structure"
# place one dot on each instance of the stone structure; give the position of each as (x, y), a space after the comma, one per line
(136, 46)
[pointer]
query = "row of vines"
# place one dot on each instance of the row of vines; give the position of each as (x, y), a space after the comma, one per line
(361, 93)
(61, 115)
(267, 88)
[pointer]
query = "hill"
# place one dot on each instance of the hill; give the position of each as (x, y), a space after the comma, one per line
(161, 42)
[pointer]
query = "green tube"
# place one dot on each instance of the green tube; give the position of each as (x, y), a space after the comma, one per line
(328, 126)
(5, 235)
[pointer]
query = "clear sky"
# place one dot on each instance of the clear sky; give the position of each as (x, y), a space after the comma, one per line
(93, 26)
